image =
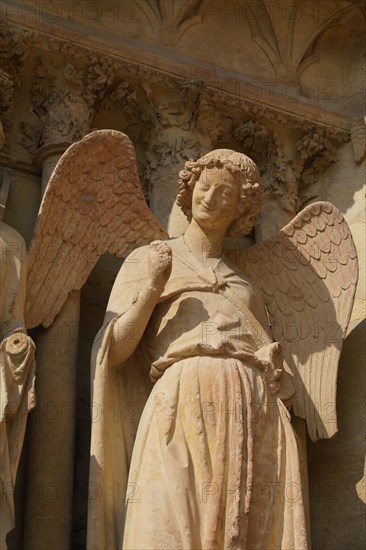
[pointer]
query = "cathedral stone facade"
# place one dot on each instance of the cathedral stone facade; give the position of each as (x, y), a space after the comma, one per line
(282, 82)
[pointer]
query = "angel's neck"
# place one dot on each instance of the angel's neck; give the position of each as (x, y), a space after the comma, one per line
(203, 242)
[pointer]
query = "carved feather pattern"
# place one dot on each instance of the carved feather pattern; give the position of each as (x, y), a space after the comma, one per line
(93, 204)
(308, 274)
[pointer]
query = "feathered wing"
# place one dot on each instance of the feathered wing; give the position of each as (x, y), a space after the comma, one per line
(308, 274)
(93, 204)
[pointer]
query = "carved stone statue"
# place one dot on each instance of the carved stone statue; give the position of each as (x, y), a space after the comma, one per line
(215, 462)
(201, 353)
(17, 368)
(213, 427)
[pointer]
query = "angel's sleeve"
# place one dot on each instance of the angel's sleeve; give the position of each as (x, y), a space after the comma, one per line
(132, 278)
(118, 397)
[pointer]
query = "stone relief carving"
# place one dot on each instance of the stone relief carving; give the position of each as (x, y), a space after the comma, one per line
(291, 180)
(65, 107)
(141, 125)
(102, 79)
(14, 49)
(279, 182)
(262, 145)
(61, 104)
(65, 97)
(316, 151)
(6, 92)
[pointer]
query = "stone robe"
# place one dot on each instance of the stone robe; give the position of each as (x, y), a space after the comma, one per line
(17, 368)
(215, 463)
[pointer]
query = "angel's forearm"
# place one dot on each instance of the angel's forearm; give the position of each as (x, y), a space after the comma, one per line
(129, 328)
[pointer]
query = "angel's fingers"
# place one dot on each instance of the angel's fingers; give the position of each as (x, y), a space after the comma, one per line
(166, 253)
(155, 244)
(160, 246)
(163, 247)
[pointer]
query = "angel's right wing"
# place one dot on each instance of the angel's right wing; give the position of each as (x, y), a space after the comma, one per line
(93, 204)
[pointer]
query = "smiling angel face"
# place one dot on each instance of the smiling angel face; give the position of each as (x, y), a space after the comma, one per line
(221, 188)
(216, 198)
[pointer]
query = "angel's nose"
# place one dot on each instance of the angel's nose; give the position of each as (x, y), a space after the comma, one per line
(210, 198)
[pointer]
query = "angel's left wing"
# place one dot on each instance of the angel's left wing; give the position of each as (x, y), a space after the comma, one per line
(308, 274)
(93, 204)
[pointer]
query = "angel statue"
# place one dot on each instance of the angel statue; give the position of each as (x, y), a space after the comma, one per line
(17, 369)
(202, 353)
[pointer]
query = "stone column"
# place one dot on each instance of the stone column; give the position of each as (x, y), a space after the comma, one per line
(48, 506)
(50, 464)
(46, 158)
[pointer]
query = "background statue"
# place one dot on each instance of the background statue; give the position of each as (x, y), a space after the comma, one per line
(215, 451)
(17, 368)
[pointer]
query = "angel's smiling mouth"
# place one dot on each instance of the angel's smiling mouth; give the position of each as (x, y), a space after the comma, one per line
(206, 207)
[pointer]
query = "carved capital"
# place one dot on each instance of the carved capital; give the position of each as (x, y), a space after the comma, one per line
(99, 78)
(14, 49)
(278, 175)
(315, 152)
(257, 142)
(6, 93)
(59, 102)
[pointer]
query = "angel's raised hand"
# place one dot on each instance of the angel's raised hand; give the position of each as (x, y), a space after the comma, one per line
(160, 263)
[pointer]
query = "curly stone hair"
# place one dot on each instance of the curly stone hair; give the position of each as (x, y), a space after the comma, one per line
(248, 179)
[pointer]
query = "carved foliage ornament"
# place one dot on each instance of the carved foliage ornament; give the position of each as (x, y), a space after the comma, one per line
(14, 48)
